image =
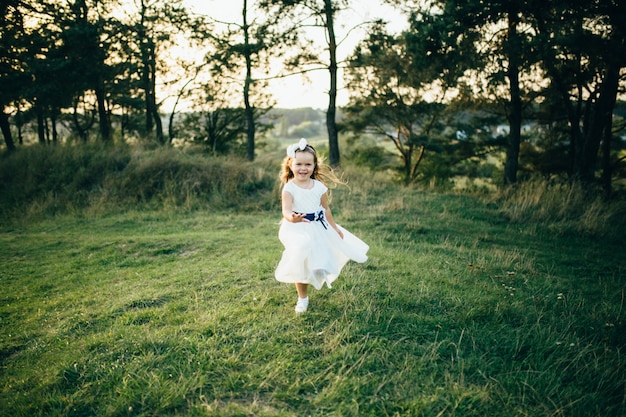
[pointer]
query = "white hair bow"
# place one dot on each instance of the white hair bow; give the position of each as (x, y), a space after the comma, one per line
(291, 149)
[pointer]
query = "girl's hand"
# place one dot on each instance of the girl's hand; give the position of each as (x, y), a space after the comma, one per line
(298, 217)
(339, 232)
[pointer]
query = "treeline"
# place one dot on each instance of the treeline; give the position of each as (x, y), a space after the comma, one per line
(551, 71)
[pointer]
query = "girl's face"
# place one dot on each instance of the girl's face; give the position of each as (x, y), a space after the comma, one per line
(302, 165)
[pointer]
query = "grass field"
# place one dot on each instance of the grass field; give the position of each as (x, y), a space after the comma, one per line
(458, 312)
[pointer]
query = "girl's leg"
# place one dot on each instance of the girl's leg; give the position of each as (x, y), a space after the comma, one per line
(303, 289)
(303, 299)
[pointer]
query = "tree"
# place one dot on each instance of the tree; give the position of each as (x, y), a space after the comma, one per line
(578, 47)
(61, 61)
(246, 49)
(148, 33)
(53, 86)
(214, 125)
(320, 14)
(148, 38)
(85, 54)
(583, 50)
(248, 52)
(12, 74)
(499, 55)
(513, 51)
(331, 113)
(390, 78)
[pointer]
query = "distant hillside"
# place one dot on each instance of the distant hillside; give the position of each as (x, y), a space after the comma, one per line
(301, 122)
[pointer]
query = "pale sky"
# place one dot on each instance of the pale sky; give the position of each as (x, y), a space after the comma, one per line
(294, 91)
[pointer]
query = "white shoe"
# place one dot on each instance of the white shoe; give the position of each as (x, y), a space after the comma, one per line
(302, 305)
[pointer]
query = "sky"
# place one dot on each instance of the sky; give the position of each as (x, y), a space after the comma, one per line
(295, 91)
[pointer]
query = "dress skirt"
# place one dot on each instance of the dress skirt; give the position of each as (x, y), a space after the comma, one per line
(315, 254)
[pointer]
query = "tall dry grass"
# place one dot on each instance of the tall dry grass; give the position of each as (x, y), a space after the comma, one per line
(93, 178)
(97, 179)
(569, 207)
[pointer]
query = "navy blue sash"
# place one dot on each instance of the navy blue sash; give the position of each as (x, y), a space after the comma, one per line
(316, 217)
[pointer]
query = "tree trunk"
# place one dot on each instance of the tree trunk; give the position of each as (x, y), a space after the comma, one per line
(157, 122)
(171, 132)
(41, 129)
(19, 123)
(148, 79)
(416, 165)
(602, 110)
(408, 162)
(573, 112)
(6, 130)
(331, 114)
(250, 128)
(607, 171)
(148, 98)
(82, 133)
(103, 114)
(80, 129)
(152, 113)
(515, 110)
(55, 134)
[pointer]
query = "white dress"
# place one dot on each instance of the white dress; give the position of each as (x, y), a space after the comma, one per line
(314, 252)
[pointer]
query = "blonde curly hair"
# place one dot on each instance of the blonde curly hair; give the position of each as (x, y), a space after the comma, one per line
(321, 171)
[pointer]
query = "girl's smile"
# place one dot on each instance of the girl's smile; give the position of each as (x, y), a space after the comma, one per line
(302, 166)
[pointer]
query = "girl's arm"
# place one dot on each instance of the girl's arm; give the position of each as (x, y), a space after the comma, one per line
(288, 214)
(329, 215)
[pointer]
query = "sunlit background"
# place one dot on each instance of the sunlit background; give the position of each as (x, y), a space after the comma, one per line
(311, 89)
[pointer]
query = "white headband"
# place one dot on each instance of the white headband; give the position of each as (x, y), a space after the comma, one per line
(291, 149)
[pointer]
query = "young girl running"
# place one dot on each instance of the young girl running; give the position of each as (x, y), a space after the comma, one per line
(316, 248)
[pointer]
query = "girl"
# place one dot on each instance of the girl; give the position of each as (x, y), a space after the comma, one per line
(316, 248)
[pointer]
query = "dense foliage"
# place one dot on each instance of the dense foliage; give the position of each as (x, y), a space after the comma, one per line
(462, 85)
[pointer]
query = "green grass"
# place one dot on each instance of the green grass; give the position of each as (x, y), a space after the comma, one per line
(458, 312)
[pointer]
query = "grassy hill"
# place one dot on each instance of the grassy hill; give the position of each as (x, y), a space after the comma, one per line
(166, 304)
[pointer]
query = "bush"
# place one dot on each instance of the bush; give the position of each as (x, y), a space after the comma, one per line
(63, 175)
(167, 176)
(90, 177)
